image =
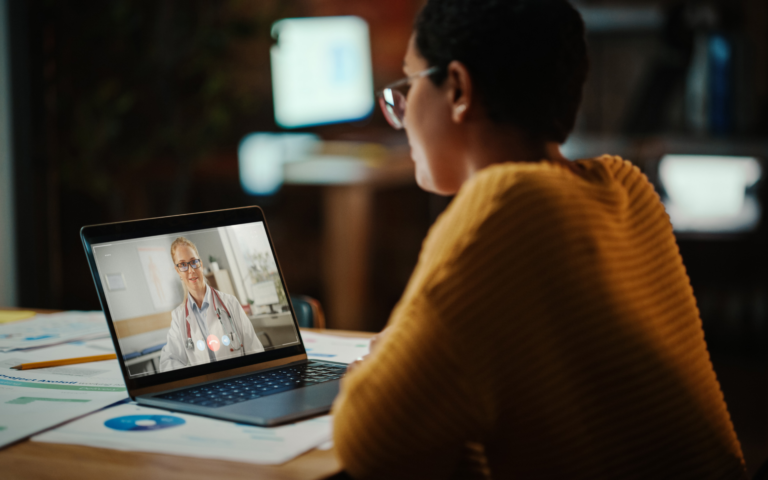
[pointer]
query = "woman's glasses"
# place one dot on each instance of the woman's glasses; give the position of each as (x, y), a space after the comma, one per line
(184, 266)
(392, 101)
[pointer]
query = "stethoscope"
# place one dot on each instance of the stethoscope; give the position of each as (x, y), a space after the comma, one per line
(190, 343)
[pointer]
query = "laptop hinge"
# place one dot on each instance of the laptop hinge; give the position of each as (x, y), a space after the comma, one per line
(217, 376)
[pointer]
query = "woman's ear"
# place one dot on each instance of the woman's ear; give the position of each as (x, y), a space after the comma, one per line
(459, 91)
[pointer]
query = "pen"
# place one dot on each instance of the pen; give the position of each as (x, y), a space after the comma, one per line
(65, 361)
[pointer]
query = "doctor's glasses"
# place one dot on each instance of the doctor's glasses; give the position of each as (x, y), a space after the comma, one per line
(184, 266)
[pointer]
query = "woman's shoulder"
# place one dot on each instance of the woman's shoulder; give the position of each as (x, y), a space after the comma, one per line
(544, 200)
(488, 194)
(500, 179)
(547, 196)
(488, 198)
(500, 187)
(553, 184)
(502, 176)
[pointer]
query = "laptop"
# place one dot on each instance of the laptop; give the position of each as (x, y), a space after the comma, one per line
(233, 352)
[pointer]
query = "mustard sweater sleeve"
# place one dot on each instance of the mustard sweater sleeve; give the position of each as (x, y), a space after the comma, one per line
(408, 410)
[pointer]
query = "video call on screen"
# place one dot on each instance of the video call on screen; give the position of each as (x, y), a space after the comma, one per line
(159, 324)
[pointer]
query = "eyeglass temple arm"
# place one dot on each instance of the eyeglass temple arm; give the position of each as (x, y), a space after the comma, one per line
(405, 80)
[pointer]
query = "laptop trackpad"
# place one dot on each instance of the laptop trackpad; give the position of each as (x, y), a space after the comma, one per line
(284, 406)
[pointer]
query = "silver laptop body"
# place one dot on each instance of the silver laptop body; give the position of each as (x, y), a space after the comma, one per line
(135, 279)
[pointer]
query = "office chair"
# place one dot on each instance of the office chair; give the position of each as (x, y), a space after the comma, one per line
(265, 339)
(309, 312)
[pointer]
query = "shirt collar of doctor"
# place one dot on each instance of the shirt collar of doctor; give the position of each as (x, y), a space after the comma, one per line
(206, 300)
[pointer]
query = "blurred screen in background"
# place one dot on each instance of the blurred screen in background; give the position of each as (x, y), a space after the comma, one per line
(321, 71)
(709, 193)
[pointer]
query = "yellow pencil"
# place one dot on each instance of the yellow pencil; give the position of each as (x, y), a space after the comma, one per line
(65, 361)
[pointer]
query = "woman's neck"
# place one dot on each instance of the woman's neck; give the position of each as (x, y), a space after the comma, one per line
(198, 296)
(493, 143)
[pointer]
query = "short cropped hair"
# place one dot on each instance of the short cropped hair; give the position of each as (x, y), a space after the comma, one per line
(527, 58)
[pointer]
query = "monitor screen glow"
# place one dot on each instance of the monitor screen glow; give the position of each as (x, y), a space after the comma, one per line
(708, 193)
(321, 71)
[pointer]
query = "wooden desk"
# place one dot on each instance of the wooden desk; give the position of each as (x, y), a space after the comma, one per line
(45, 460)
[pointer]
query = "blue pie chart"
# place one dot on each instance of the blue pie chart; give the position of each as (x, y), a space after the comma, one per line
(138, 423)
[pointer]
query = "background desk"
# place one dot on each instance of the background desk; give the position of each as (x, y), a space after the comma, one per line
(348, 190)
(28, 459)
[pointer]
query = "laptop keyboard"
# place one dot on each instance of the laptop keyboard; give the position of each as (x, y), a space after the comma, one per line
(240, 389)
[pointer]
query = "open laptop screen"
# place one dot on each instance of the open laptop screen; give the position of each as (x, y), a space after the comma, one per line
(218, 297)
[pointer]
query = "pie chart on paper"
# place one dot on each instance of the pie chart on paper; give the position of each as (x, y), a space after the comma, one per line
(138, 423)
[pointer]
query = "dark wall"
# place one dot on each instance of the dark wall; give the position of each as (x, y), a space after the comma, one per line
(126, 110)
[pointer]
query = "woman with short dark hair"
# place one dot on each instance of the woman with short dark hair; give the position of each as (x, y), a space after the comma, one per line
(549, 329)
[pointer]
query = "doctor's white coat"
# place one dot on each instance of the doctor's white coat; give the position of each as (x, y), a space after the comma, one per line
(175, 354)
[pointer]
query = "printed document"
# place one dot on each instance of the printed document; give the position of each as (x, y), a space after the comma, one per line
(35, 400)
(131, 427)
(335, 349)
(51, 329)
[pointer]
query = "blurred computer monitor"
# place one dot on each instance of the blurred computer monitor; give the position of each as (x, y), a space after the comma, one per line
(321, 71)
(711, 194)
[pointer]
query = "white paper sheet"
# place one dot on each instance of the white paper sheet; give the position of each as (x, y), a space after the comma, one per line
(35, 400)
(130, 427)
(52, 329)
(102, 345)
(335, 349)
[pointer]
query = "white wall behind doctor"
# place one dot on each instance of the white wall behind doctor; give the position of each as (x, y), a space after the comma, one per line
(8, 293)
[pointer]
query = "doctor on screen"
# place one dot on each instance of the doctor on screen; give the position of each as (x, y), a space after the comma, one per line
(209, 325)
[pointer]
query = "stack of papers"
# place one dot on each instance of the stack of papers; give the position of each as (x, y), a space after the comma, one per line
(35, 400)
(51, 329)
(131, 427)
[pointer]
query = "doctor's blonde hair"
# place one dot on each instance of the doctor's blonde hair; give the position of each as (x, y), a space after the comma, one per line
(176, 244)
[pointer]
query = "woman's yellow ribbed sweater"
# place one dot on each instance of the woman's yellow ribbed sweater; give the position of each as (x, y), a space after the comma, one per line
(551, 321)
